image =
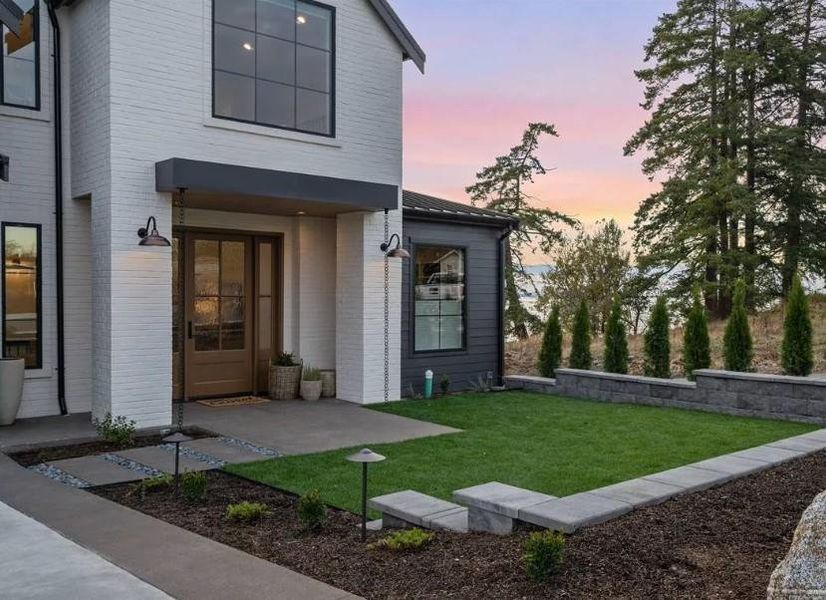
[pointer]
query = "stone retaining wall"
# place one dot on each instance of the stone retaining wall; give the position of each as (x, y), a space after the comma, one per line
(746, 394)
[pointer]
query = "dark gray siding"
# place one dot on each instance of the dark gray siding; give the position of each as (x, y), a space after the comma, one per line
(482, 306)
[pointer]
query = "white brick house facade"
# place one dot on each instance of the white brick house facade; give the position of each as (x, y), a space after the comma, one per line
(137, 90)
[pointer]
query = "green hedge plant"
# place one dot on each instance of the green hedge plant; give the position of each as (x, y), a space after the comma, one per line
(115, 430)
(696, 343)
(404, 540)
(581, 339)
(543, 554)
(738, 350)
(797, 333)
(656, 342)
(246, 512)
(550, 355)
(616, 342)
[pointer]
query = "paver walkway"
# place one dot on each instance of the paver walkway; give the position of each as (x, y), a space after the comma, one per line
(180, 563)
(39, 564)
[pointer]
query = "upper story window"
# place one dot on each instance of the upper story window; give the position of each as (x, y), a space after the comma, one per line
(19, 73)
(272, 63)
(439, 298)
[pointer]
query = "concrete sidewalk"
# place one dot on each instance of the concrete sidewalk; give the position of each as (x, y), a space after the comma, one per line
(180, 563)
(39, 564)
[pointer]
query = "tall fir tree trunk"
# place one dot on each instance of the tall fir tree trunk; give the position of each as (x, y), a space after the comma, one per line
(750, 245)
(712, 290)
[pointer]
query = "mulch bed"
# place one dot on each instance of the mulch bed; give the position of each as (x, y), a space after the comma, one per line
(28, 458)
(721, 543)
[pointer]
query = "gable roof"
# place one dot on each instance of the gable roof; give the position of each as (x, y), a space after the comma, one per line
(412, 50)
(416, 204)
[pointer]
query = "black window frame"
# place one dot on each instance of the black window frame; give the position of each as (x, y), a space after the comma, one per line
(37, 103)
(463, 349)
(295, 86)
(39, 288)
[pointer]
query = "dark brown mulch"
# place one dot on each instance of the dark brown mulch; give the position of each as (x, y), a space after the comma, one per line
(28, 458)
(722, 543)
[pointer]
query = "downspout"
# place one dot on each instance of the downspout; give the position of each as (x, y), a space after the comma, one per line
(500, 297)
(57, 109)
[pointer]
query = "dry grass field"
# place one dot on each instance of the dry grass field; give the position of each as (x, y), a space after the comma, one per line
(766, 329)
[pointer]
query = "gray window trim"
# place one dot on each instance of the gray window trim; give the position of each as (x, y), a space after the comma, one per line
(36, 106)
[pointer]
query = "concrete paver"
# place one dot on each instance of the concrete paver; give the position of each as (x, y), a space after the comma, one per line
(690, 478)
(572, 512)
(39, 564)
(499, 498)
(96, 470)
(639, 492)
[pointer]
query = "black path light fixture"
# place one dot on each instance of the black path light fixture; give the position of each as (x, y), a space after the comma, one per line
(365, 457)
(177, 438)
(151, 237)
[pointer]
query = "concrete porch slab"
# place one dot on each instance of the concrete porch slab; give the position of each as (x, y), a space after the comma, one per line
(573, 512)
(96, 470)
(163, 460)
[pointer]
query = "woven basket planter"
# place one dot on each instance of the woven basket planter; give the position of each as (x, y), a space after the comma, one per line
(328, 383)
(284, 382)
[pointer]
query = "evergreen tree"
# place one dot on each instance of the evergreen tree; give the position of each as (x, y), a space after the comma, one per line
(656, 342)
(737, 344)
(581, 342)
(616, 344)
(550, 355)
(797, 332)
(501, 187)
(696, 345)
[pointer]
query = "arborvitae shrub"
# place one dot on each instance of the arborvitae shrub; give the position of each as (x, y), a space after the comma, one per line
(543, 554)
(797, 332)
(550, 355)
(656, 342)
(696, 344)
(737, 344)
(312, 512)
(581, 342)
(616, 343)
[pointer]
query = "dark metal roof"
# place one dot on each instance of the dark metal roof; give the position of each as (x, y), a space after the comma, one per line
(412, 50)
(416, 204)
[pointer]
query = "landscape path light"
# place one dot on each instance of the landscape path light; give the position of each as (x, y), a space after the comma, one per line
(365, 457)
(177, 438)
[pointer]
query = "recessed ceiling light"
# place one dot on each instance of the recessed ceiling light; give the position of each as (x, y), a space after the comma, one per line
(300, 213)
(247, 46)
(301, 19)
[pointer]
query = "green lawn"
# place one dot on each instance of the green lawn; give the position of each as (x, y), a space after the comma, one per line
(555, 445)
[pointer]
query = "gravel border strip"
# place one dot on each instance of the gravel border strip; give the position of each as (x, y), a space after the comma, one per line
(59, 475)
(195, 455)
(132, 465)
(231, 441)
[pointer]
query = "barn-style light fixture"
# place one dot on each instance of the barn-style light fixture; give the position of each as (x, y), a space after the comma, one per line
(151, 237)
(397, 251)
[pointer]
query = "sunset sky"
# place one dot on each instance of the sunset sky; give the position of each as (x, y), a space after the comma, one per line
(495, 65)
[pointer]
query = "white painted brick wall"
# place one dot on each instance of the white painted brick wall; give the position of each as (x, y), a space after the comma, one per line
(316, 307)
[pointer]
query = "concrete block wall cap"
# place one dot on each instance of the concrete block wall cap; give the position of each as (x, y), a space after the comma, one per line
(679, 383)
(573, 512)
(529, 379)
(411, 505)
(499, 498)
(639, 492)
(761, 377)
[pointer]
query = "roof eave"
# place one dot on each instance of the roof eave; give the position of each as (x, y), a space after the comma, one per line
(466, 219)
(412, 50)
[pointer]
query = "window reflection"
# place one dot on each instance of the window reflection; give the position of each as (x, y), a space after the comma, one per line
(21, 291)
(18, 70)
(439, 298)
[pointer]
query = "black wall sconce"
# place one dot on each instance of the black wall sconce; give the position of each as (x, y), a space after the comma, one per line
(151, 237)
(397, 251)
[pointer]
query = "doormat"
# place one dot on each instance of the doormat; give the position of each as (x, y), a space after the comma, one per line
(238, 401)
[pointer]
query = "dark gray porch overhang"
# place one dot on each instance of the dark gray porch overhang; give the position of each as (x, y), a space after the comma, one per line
(267, 187)
(11, 15)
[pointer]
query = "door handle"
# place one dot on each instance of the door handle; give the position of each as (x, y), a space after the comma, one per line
(189, 330)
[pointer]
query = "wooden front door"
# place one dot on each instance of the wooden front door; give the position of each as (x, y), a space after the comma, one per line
(219, 314)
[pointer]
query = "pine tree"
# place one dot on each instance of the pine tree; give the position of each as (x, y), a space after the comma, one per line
(581, 342)
(696, 344)
(550, 355)
(656, 342)
(737, 344)
(797, 332)
(616, 344)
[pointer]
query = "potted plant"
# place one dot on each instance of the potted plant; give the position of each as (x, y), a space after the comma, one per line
(285, 377)
(311, 384)
(11, 388)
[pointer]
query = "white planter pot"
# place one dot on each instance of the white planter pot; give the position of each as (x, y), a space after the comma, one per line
(11, 388)
(311, 390)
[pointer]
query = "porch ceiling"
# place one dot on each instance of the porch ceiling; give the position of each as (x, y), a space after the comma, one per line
(221, 186)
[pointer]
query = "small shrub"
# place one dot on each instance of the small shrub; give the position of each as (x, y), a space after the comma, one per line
(246, 512)
(284, 359)
(738, 350)
(311, 374)
(194, 486)
(479, 385)
(543, 553)
(311, 511)
(550, 355)
(404, 540)
(157, 482)
(696, 343)
(797, 332)
(616, 342)
(656, 343)
(444, 383)
(581, 342)
(115, 430)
